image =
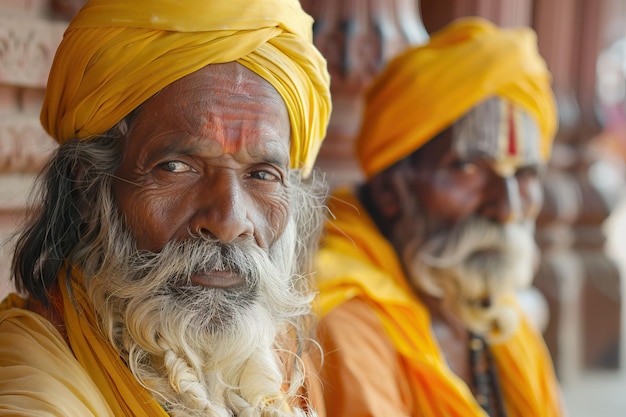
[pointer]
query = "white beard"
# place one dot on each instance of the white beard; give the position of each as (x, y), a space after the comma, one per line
(205, 351)
(475, 268)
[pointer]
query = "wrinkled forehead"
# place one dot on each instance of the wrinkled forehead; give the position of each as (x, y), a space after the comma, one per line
(498, 130)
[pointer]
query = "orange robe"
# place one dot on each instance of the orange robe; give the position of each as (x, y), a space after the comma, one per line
(381, 358)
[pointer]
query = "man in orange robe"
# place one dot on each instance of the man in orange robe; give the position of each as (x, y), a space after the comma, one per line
(165, 269)
(421, 263)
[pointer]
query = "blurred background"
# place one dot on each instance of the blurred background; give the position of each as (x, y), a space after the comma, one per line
(580, 285)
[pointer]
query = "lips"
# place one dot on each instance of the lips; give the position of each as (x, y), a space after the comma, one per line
(217, 279)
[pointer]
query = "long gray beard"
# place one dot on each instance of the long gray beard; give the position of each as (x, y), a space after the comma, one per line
(202, 351)
(476, 268)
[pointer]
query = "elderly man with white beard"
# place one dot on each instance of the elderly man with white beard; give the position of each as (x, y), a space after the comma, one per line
(166, 268)
(420, 264)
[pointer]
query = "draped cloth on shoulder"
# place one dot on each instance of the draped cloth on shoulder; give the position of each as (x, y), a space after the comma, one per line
(357, 261)
(116, 54)
(86, 378)
(425, 89)
(120, 388)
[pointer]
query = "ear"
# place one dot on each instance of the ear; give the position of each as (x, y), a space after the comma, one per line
(384, 197)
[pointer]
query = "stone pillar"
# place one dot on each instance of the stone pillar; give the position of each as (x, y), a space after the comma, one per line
(560, 276)
(582, 283)
(357, 38)
(28, 40)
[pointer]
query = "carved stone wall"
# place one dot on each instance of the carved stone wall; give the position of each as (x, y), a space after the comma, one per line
(29, 37)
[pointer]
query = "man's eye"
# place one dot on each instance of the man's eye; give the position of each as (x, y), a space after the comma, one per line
(264, 176)
(175, 166)
(465, 167)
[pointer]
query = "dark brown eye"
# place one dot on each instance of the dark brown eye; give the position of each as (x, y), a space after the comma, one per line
(465, 167)
(264, 175)
(175, 166)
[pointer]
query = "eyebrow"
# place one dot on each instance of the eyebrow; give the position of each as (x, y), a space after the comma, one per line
(472, 153)
(169, 150)
(272, 154)
(176, 149)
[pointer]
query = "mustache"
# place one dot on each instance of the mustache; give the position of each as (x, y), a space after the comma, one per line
(179, 260)
(470, 237)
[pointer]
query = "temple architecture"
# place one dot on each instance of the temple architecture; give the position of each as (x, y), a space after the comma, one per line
(584, 44)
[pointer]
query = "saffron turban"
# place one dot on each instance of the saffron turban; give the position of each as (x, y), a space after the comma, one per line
(426, 88)
(116, 54)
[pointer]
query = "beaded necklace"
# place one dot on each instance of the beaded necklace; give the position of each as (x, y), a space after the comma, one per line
(486, 387)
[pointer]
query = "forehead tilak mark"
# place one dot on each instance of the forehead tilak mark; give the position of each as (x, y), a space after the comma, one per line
(498, 129)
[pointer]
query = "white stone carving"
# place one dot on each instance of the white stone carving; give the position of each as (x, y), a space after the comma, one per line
(24, 145)
(27, 47)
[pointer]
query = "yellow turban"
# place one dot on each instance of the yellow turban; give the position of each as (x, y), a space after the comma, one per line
(425, 89)
(116, 54)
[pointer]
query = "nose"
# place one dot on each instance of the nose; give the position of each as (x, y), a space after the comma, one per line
(222, 209)
(504, 200)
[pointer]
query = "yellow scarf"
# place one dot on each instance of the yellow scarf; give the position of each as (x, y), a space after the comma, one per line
(122, 392)
(357, 261)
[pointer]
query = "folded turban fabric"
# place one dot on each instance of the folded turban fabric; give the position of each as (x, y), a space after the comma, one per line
(116, 54)
(427, 88)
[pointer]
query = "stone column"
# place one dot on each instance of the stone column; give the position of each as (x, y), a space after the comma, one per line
(28, 40)
(357, 37)
(581, 282)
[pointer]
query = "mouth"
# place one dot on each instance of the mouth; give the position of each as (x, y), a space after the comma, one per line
(487, 252)
(217, 279)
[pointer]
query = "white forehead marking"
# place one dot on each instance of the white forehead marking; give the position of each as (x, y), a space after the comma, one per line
(500, 130)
